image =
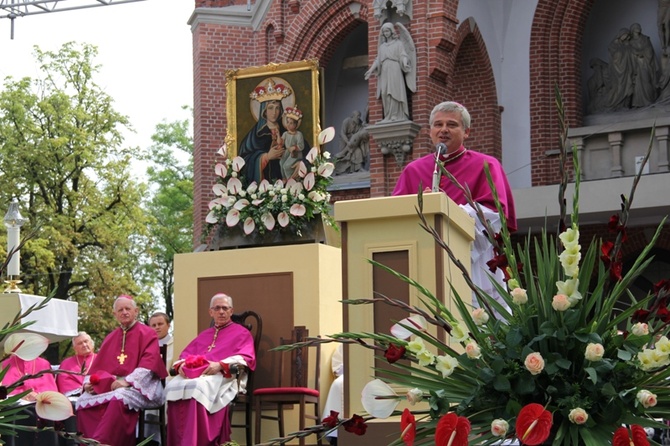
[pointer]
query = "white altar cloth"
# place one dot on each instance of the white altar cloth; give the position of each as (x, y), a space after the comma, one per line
(57, 321)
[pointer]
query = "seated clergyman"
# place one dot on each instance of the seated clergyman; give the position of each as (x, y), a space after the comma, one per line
(80, 362)
(199, 398)
(125, 377)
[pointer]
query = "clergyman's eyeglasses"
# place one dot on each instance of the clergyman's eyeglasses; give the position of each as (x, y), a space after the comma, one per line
(220, 307)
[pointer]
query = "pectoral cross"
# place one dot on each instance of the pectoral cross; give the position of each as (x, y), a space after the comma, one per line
(122, 358)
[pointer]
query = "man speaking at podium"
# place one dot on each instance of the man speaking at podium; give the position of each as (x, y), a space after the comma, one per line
(449, 127)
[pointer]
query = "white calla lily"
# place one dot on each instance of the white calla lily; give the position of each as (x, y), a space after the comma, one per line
(54, 406)
(238, 163)
(296, 188)
(221, 170)
(313, 153)
(232, 217)
(26, 346)
(379, 399)
(326, 169)
(302, 169)
(268, 220)
(249, 225)
(211, 218)
(253, 187)
(283, 219)
(298, 210)
(223, 150)
(326, 135)
(234, 186)
(241, 204)
(417, 321)
(264, 186)
(219, 190)
(309, 181)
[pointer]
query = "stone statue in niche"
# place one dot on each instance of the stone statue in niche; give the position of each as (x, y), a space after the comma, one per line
(355, 145)
(395, 67)
(631, 79)
(383, 9)
(644, 68)
(598, 86)
(621, 71)
(663, 21)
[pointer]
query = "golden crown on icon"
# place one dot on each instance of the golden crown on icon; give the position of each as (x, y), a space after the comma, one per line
(270, 92)
(294, 112)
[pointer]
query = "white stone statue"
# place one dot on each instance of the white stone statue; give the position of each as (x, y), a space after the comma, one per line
(395, 66)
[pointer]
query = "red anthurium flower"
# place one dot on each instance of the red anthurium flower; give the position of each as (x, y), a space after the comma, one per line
(452, 430)
(637, 436)
(533, 424)
(355, 425)
(393, 353)
(331, 420)
(408, 427)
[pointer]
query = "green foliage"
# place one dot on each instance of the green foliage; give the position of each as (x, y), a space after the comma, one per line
(170, 206)
(61, 155)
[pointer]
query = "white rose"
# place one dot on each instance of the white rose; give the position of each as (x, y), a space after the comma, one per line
(499, 427)
(414, 396)
(594, 352)
(473, 351)
(646, 398)
(480, 316)
(519, 296)
(640, 329)
(578, 416)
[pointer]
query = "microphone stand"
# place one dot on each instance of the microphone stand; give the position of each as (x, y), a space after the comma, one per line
(437, 173)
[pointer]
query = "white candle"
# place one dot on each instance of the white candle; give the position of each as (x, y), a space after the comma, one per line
(13, 240)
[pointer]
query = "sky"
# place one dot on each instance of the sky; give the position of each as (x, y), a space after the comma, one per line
(144, 49)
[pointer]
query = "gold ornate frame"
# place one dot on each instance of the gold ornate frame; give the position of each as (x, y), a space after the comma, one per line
(301, 76)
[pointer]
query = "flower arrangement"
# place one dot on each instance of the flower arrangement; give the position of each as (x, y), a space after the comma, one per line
(558, 360)
(194, 365)
(284, 206)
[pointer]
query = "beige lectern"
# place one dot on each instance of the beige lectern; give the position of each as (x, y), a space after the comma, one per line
(286, 285)
(387, 230)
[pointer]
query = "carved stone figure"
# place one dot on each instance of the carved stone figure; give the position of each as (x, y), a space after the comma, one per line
(621, 71)
(395, 66)
(644, 68)
(663, 22)
(355, 148)
(598, 86)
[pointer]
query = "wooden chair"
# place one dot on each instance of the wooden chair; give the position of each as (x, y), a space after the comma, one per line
(297, 392)
(162, 422)
(254, 324)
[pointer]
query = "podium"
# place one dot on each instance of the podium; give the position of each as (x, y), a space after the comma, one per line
(387, 230)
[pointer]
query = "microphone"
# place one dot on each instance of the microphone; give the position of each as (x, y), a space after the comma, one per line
(437, 173)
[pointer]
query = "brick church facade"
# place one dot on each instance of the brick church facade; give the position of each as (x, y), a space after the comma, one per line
(503, 60)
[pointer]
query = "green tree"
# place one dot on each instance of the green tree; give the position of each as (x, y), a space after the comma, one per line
(170, 176)
(61, 155)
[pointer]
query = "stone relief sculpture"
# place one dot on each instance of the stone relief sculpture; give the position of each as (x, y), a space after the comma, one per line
(383, 8)
(644, 68)
(663, 22)
(355, 145)
(395, 66)
(621, 71)
(598, 85)
(631, 79)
